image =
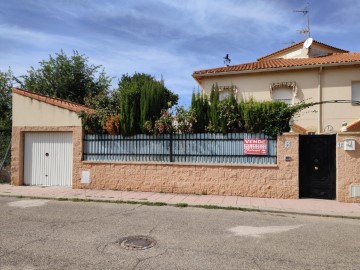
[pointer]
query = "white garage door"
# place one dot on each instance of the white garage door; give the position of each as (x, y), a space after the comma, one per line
(48, 159)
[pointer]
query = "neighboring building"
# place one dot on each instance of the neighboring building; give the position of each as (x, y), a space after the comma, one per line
(312, 73)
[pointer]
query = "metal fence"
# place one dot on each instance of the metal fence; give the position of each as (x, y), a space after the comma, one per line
(5, 144)
(189, 148)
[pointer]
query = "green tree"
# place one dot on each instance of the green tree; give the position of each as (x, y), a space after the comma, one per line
(7, 81)
(152, 100)
(105, 105)
(71, 78)
(229, 115)
(214, 121)
(200, 109)
(142, 98)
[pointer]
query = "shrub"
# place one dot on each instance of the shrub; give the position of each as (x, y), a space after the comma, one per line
(184, 120)
(164, 125)
(104, 104)
(112, 125)
(229, 115)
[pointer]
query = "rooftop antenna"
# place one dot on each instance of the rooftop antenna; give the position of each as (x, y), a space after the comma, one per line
(227, 60)
(305, 11)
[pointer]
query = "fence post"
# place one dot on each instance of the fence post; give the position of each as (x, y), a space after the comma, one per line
(171, 147)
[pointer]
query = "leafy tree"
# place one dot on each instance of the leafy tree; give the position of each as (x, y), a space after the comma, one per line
(142, 98)
(7, 80)
(71, 78)
(106, 110)
(200, 109)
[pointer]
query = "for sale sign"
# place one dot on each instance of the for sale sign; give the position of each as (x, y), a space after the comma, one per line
(255, 146)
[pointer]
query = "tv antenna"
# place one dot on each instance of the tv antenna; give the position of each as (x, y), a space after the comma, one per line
(227, 60)
(305, 11)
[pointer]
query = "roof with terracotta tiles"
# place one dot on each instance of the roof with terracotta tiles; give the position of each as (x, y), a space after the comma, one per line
(299, 129)
(291, 63)
(300, 44)
(353, 126)
(71, 106)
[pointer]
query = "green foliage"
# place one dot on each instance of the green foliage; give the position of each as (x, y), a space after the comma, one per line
(278, 120)
(200, 108)
(258, 114)
(214, 120)
(7, 80)
(229, 115)
(152, 101)
(129, 109)
(269, 117)
(142, 98)
(164, 125)
(71, 78)
(184, 120)
(225, 115)
(105, 105)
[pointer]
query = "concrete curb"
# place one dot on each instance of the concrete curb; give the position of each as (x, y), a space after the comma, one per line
(184, 205)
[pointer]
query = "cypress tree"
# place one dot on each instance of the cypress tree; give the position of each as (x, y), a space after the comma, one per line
(129, 110)
(214, 125)
(142, 98)
(200, 107)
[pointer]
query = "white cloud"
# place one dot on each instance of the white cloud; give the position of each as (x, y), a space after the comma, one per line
(37, 38)
(172, 38)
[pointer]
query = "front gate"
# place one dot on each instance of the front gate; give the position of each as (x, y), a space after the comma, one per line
(317, 166)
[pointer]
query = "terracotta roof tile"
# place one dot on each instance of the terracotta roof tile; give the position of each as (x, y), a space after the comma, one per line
(297, 45)
(338, 58)
(71, 106)
(353, 126)
(299, 129)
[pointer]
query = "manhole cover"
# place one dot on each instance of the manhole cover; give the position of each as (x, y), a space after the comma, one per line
(137, 242)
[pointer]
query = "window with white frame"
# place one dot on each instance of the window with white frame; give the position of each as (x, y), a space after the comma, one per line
(355, 92)
(226, 91)
(283, 94)
(284, 91)
(224, 94)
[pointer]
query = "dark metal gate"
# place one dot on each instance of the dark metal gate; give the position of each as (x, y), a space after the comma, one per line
(317, 166)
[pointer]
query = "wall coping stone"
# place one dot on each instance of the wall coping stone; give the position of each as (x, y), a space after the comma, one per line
(275, 166)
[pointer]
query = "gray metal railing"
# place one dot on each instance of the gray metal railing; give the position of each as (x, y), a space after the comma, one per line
(189, 148)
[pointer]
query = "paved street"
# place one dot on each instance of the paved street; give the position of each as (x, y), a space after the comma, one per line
(42, 234)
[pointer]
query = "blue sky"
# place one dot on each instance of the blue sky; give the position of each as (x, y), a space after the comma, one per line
(172, 38)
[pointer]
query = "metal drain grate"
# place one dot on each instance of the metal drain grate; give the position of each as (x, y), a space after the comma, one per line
(137, 242)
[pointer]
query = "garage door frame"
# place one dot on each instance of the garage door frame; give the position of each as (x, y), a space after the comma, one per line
(48, 158)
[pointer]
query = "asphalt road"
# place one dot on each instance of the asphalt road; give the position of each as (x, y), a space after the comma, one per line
(40, 234)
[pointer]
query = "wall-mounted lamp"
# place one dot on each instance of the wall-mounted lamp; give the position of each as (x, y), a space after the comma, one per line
(343, 126)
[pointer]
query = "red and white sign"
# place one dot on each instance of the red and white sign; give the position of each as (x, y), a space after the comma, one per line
(255, 146)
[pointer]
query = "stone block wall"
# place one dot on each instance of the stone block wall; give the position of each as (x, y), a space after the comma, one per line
(347, 168)
(266, 181)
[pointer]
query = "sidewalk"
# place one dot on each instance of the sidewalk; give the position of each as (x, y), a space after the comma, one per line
(302, 206)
